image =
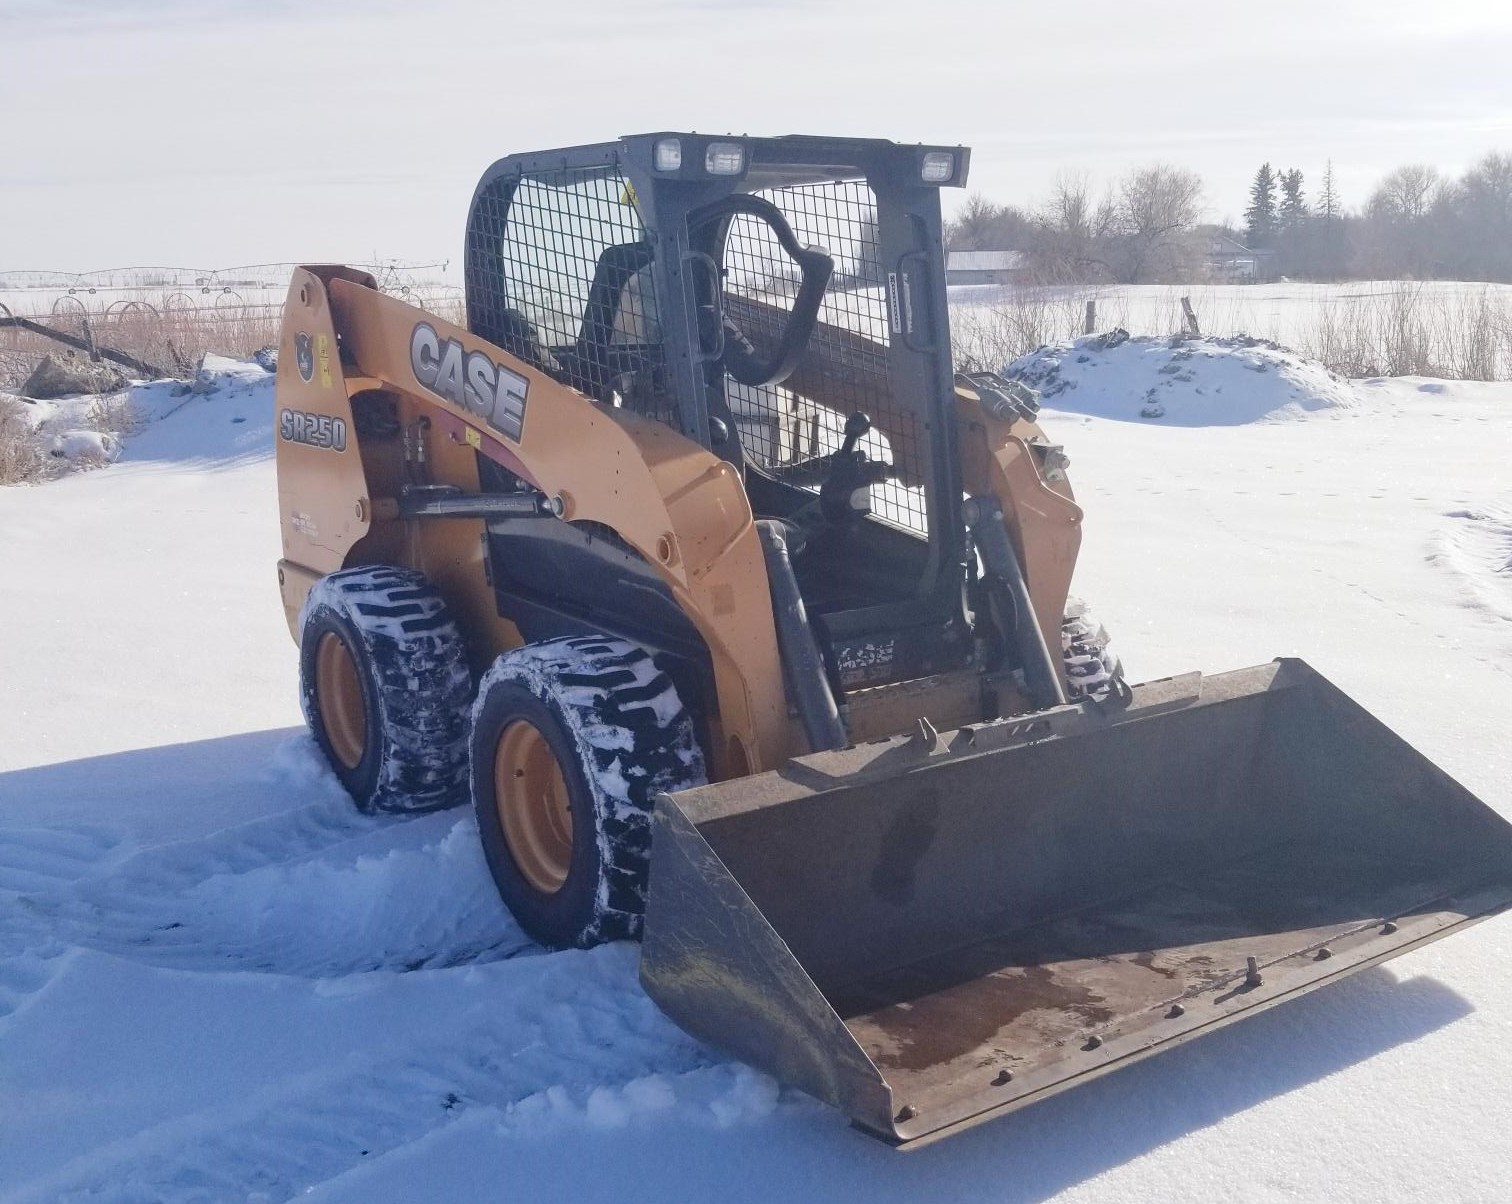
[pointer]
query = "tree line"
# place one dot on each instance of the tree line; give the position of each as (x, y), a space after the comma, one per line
(1146, 227)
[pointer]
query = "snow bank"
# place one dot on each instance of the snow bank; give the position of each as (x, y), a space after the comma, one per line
(89, 430)
(227, 415)
(68, 430)
(1181, 381)
(218, 372)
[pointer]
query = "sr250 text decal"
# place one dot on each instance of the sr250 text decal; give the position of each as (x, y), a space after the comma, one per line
(318, 430)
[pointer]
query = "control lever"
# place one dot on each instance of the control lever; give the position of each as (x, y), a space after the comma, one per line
(846, 491)
(855, 427)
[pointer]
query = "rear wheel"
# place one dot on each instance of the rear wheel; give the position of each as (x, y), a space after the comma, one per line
(385, 687)
(572, 741)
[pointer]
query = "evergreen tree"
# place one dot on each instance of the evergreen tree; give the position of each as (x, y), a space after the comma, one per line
(1329, 208)
(1293, 205)
(1328, 250)
(1293, 232)
(1260, 217)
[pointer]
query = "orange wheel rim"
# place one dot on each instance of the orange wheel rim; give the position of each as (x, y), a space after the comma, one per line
(534, 808)
(338, 697)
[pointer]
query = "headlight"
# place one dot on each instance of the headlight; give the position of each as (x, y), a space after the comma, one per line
(668, 154)
(724, 159)
(938, 167)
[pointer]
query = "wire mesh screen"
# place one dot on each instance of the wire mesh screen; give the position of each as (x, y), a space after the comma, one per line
(845, 369)
(575, 282)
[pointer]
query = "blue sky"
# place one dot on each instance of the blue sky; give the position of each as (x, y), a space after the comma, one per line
(218, 132)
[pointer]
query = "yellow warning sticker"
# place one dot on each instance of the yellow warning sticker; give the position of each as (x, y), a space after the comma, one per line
(323, 355)
(472, 438)
(628, 197)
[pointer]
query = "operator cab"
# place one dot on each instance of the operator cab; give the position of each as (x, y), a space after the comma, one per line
(780, 301)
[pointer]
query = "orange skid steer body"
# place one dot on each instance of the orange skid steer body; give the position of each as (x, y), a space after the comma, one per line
(742, 620)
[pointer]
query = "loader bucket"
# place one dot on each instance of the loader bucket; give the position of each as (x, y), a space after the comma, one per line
(929, 931)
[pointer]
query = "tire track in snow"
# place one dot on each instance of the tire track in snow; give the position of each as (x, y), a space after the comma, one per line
(1477, 548)
(322, 891)
(37, 862)
(399, 898)
(317, 891)
(571, 1027)
(1279, 552)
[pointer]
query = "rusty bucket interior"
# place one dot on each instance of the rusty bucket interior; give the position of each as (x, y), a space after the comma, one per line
(926, 933)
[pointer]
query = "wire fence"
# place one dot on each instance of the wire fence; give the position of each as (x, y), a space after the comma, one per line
(169, 318)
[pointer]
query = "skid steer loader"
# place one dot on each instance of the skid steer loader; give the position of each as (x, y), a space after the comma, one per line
(744, 621)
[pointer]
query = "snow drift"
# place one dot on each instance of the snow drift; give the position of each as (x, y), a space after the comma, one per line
(1181, 381)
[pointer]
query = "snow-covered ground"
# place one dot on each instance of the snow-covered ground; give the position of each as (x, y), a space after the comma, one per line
(1287, 312)
(217, 982)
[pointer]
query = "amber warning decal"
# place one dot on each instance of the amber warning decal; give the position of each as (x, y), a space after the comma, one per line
(470, 379)
(316, 430)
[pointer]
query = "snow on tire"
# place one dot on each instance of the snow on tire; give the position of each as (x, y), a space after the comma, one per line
(1092, 668)
(620, 735)
(385, 687)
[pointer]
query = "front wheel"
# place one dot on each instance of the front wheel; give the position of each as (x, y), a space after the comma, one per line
(572, 741)
(1093, 670)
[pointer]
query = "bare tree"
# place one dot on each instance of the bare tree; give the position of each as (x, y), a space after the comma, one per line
(1407, 194)
(1395, 233)
(1157, 211)
(982, 225)
(1478, 213)
(1072, 229)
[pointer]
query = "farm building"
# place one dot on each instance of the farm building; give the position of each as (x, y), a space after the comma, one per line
(984, 267)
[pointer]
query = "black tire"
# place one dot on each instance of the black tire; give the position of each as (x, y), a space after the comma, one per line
(411, 670)
(1093, 670)
(620, 735)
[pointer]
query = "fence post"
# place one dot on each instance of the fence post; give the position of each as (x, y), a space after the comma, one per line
(1091, 323)
(89, 338)
(1191, 317)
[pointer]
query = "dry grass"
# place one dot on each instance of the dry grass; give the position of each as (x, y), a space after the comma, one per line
(1413, 332)
(20, 457)
(174, 337)
(985, 337)
(112, 414)
(173, 340)
(1406, 330)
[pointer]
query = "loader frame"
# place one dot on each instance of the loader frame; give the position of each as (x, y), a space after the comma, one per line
(674, 528)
